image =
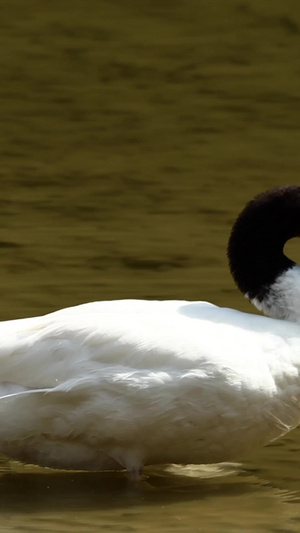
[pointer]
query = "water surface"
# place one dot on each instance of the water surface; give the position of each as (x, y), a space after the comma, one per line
(132, 133)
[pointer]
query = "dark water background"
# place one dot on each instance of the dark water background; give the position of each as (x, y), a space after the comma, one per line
(132, 133)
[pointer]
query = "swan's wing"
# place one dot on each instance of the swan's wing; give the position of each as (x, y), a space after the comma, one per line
(93, 339)
(94, 343)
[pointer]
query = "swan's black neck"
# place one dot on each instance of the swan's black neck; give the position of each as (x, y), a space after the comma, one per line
(255, 248)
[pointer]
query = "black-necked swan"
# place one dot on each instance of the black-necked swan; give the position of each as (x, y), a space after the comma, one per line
(123, 384)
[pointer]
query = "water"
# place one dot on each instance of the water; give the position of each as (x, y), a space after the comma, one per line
(131, 136)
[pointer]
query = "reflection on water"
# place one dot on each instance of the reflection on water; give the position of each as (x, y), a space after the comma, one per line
(223, 498)
(132, 134)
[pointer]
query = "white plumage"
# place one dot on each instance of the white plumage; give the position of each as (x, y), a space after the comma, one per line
(129, 383)
(123, 384)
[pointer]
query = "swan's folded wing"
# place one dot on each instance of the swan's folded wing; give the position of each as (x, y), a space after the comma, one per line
(68, 349)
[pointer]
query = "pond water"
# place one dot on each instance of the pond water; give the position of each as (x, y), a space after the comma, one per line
(132, 133)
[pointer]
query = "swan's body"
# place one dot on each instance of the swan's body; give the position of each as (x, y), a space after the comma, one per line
(124, 384)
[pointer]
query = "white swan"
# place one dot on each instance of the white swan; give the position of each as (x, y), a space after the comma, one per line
(123, 384)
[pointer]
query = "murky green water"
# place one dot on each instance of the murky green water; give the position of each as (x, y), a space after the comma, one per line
(132, 133)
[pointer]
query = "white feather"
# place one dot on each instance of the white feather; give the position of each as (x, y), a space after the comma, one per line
(283, 298)
(129, 383)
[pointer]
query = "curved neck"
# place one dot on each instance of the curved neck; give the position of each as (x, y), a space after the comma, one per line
(255, 250)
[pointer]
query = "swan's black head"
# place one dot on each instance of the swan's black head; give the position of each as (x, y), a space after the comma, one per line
(255, 248)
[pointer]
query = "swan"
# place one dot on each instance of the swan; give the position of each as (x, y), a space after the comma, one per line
(122, 384)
